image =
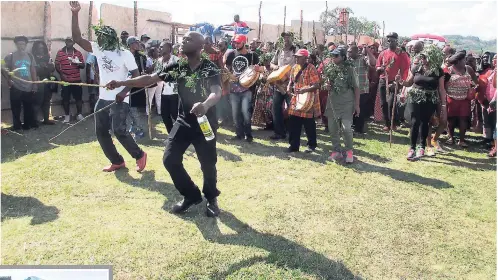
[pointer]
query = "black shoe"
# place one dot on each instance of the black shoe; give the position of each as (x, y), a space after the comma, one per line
(212, 209)
(26, 127)
(48, 122)
(184, 205)
(291, 150)
(277, 137)
(309, 150)
(249, 139)
(236, 138)
(15, 128)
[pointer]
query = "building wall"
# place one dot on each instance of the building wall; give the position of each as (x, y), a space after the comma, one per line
(121, 18)
(26, 18)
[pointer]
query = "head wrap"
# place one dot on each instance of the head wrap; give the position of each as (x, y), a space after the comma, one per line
(457, 57)
(434, 56)
(107, 38)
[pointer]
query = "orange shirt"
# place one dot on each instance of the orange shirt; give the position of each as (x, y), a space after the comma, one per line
(309, 76)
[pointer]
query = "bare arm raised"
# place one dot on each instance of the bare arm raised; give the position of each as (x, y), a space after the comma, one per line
(75, 28)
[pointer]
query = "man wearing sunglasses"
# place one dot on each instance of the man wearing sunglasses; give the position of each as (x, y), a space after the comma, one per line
(390, 61)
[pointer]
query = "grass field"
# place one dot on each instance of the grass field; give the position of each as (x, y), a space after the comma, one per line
(284, 216)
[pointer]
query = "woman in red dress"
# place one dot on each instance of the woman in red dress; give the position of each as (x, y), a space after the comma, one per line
(460, 81)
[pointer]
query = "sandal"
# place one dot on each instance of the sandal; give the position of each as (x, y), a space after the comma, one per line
(450, 141)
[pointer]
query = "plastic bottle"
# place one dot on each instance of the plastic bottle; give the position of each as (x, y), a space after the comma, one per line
(206, 128)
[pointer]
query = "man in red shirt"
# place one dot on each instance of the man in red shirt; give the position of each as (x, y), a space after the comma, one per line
(237, 22)
(391, 61)
(68, 62)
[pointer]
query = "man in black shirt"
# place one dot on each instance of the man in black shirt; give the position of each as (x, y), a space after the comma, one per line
(137, 100)
(199, 89)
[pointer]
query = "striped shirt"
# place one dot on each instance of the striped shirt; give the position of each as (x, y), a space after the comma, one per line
(361, 66)
(69, 70)
(309, 76)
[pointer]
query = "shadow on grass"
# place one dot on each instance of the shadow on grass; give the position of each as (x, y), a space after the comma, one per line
(259, 149)
(24, 206)
(466, 162)
(148, 182)
(283, 252)
(363, 167)
(17, 145)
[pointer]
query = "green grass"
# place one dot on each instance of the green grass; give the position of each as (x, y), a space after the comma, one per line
(285, 217)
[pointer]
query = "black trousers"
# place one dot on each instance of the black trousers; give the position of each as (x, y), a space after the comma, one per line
(359, 122)
(115, 119)
(169, 110)
(489, 122)
(295, 124)
(18, 100)
(178, 141)
(77, 93)
(420, 115)
(387, 102)
(93, 94)
(43, 98)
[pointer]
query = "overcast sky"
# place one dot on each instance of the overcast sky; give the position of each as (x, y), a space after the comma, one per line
(56, 274)
(476, 18)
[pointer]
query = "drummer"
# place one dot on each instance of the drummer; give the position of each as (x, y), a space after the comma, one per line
(238, 60)
(282, 58)
(304, 83)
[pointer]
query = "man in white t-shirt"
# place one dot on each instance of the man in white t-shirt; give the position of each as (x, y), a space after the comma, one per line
(169, 98)
(114, 63)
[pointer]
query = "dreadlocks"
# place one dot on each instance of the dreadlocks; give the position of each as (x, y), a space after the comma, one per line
(107, 38)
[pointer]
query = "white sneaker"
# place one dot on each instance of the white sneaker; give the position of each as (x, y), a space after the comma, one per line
(79, 117)
(67, 119)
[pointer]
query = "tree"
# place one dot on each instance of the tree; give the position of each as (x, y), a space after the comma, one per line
(371, 28)
(401, 39)
(363, 27)
(330, 19)
(356, 27)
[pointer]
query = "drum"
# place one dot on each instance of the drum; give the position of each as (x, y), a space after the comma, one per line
(279, 75)
(249, 77)
(304, 101)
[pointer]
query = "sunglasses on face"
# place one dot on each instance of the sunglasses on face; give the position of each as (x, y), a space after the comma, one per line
(335, 55)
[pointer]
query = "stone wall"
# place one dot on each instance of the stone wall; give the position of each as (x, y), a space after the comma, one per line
(27, 18)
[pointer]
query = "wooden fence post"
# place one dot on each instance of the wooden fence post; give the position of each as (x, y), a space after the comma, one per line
(47, 25)
(259, 27)
(135, 17)
(301, 27)
(285, 14)
(90, 15)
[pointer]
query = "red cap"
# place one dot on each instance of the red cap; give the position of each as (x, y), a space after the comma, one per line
(239, 38)
(302, 52)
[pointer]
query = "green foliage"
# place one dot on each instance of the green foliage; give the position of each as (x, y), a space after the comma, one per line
(329, 20)
(337, 75)
(435, 57)
(107, 37)
(471, 43)
(191, 80)
(280, 42)
(265, 58)
(357, 25)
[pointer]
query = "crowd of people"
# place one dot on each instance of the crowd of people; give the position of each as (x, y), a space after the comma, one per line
(280, 86)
